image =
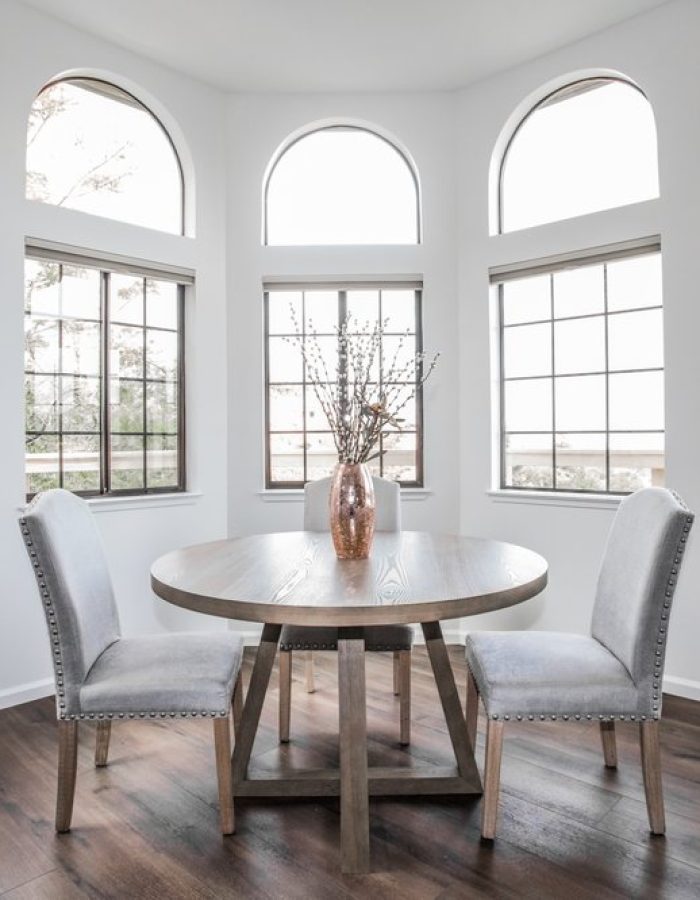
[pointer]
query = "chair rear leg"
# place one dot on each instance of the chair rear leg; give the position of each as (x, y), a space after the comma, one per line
(396, 673)
(222, 750)
(472, 708)
(67, 769)
(492, 778)
(404, 686)
(104, 730)
(607, 737)
(651, 769)
(285, 711)
(309, 672)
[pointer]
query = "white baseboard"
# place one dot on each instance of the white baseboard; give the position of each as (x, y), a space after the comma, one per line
(682, 687)
(24, 693)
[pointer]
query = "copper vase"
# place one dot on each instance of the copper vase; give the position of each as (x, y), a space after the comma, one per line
(352, 510)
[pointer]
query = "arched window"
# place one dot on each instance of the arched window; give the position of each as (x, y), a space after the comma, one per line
(341, 185)
(588, 146)
(93, 147)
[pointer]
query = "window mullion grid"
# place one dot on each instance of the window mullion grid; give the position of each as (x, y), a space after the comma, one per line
(105, 418)
(502, 383)
(381, 378)
(554, 405)
(420, 444)
(607, 379)
(59, 378)
(145, 394)
(304, 441)
(342, 361)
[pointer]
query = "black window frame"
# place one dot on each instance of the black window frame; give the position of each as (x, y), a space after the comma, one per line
(540, 268)
(105, 434)
(342, 290)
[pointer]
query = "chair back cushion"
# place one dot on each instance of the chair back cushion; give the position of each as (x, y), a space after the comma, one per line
(387, 499)
(636, 583)
(69, 563)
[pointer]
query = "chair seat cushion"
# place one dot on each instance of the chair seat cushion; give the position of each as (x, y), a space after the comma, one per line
(377, 637)
(190, 674)
(545, 674)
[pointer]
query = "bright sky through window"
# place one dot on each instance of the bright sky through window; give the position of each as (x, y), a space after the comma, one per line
(579, 152)
(341, 186)
(93, 148)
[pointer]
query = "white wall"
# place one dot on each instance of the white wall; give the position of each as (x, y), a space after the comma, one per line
(658, 51)
(33, 49)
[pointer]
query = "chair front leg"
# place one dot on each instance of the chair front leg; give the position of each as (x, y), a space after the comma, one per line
(404, 697)
(651, 769)
(67, 769)
(237, 704)
(492, 778)
(104, 730)
(309, 672)
(472, 708)
(285, 711)
(396, 672)
(607, 737)
(222, 750)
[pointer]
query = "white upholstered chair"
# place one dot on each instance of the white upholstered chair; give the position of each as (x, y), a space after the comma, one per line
(395, 638)
(100, 675)
(614, 673)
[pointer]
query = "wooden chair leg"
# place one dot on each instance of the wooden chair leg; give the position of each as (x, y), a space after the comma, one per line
(472, 708)
(237, 704)
(396, 673)
(404, 696)
(651, 768)
(285, 661)
(104, 730)
(222, 749)
(67, 769)
(607, 737)
(492, 778)
(309, 672)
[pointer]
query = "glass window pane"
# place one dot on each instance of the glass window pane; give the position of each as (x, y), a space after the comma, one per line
(315, 417)
(80, 292)
(81, 462)
(127, 462)
(161, 406)
(527, 350)
(321, 456)
(82, 349)
(283, 310)
(161, 354)
(162, 302)
(580, 403)
(41, 403)
(42, 465)
(363, 309)
(126, 351)
(94, 148)
(527, 300)
(579, 346)
(580, 460)
(399, 458)
(324, 355)
(528, 405)
(635, 282)
(399, 358)
(287, 457)
(636, 461)
(321, 309)
(126, 299)
(80, 398)
(399, 307)
(284, 360)
(41, 345)
(126, 405)
(341, 185)
(528, 460)
(637, 401)
(578, 152)
(286, 408)
(161, 461)
(636, 340)
(579, 292)
(41, 287)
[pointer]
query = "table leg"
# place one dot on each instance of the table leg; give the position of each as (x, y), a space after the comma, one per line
(452, 708)
(255, 696)
(354, 785)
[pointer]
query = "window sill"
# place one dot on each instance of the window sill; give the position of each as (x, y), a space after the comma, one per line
(142, 501)
(542, 498)
(296, 495)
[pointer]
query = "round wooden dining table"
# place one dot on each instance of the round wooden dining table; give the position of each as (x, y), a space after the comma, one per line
(295, 578)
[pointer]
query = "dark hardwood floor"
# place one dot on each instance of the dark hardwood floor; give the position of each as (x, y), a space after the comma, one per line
(147, 825)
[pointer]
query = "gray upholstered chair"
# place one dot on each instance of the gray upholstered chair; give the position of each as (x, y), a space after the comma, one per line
(615, 673)
(102, 676)
(396, 638)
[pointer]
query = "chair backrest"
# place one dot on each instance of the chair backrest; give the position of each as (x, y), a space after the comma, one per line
(636, 583)
(387, 499)
(66, 552)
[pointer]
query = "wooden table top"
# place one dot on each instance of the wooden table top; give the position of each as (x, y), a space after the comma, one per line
(295, 578)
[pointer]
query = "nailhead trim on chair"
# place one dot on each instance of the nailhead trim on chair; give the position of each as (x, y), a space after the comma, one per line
(373, 648)
(659, 653)
(58, 662)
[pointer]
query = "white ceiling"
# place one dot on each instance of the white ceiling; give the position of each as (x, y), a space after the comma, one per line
(337, 45)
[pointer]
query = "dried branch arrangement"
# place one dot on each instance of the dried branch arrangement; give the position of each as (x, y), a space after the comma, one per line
(367, 393)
